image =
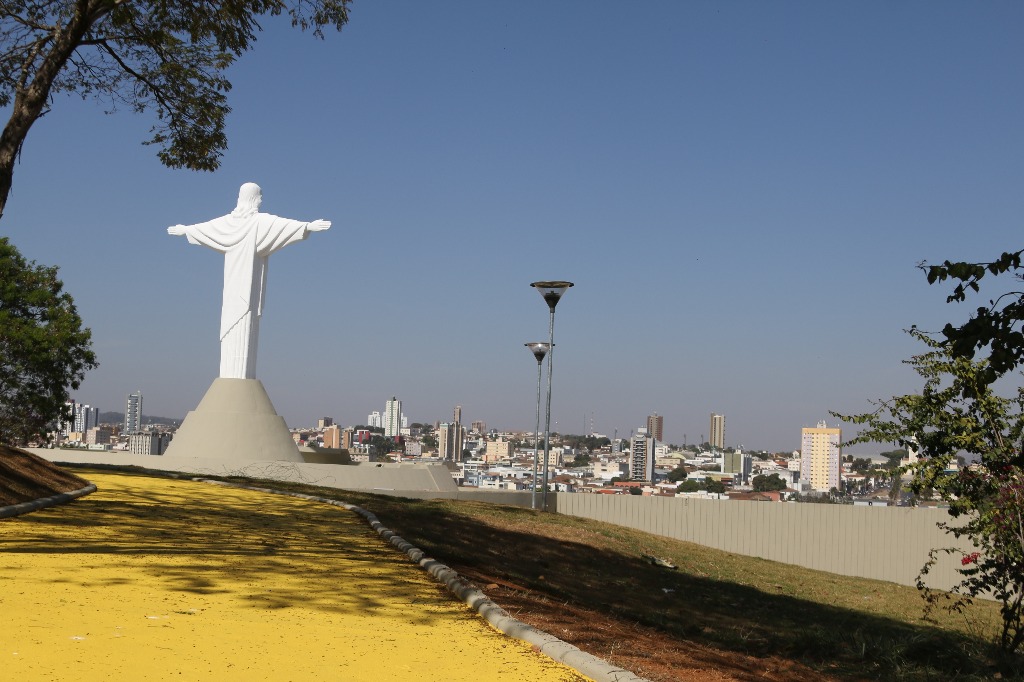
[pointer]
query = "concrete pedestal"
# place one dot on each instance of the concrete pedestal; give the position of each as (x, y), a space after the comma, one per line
(236, 421)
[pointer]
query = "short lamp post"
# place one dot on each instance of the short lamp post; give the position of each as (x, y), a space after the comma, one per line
(539, 350)
(551, 292)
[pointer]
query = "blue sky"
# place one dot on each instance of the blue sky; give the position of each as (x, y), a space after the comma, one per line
(740, 191)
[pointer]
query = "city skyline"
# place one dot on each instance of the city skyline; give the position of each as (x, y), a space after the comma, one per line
(790, 164)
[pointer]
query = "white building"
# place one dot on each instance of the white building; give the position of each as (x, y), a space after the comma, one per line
(609, 470)
(78, 418)
(392, 417)
(86, 417)
(133, 413)
(641, 456)
(148, 443)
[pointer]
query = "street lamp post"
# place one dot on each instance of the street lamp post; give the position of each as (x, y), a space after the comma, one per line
(552, 293)
(539, 350)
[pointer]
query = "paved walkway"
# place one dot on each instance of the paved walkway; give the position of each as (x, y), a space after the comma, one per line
(158, 579)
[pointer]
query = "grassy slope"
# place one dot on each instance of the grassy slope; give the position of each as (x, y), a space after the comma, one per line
(848, 627)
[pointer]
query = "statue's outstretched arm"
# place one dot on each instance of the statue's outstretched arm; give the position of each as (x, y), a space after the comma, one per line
(319, 225)
(176, 230)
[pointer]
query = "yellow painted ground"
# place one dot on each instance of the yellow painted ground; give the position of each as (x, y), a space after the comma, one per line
(158, 579)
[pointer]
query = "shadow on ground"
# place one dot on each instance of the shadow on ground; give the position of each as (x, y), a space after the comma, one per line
(239, 542)
(586, 566)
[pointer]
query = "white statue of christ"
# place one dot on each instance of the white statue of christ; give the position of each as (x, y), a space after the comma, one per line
(246, 237)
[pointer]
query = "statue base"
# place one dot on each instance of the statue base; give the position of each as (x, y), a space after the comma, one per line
(235, 421)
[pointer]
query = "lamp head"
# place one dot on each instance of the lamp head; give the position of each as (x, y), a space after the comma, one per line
(539, 349)
(552, 291)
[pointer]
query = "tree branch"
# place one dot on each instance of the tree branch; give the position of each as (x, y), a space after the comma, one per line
(155, 89)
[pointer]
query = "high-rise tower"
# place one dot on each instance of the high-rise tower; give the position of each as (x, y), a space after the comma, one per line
(641, 456)
(393, 417)
(820, 457)
(656, 427)
(133, 413)
(717, 437)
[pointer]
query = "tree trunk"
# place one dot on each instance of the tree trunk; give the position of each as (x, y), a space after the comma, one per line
(10, 144)
(30, 99)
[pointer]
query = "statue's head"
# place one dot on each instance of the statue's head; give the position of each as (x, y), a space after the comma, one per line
(250, 196)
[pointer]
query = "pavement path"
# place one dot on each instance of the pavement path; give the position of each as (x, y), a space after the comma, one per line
(151, 578)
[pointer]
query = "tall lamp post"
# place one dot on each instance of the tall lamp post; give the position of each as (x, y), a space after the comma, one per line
(539, 350)
(552, 293)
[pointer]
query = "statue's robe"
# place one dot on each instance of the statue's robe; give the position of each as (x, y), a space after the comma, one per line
(246, 243)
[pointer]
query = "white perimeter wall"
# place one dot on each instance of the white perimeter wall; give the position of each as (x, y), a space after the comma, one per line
(885, 543)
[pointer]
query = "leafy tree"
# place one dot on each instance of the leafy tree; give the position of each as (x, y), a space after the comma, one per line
(164, 55)
(814, 499)
(580, 460)
(678, 474)
(861, 465)
(713, 486)
(894, 457)
(588, 443)
(763, 483)
(688, 486)
(958, 411)
(382, 445)
(429, 440)
(996, 326)
(44, 350)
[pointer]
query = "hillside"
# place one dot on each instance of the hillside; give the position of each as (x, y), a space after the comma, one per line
(24, 477)
(694, 614)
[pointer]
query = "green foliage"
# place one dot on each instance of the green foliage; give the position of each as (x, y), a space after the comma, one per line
(688, 486)
(382, 445)
(708, 484)
(894, 457)
(957, 411)
(763, 483)
(713, 486)
(588, 443)
(861, 465)
(995, 326)
(168, 56)
(580, 460)
(44, 350)
(678, 474)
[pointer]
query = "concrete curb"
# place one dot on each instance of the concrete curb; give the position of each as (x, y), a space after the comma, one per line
(35, 505)
(593, 667)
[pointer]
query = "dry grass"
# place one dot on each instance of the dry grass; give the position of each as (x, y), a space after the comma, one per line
(25, 477)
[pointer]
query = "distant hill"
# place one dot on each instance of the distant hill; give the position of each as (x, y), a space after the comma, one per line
(118, 418)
